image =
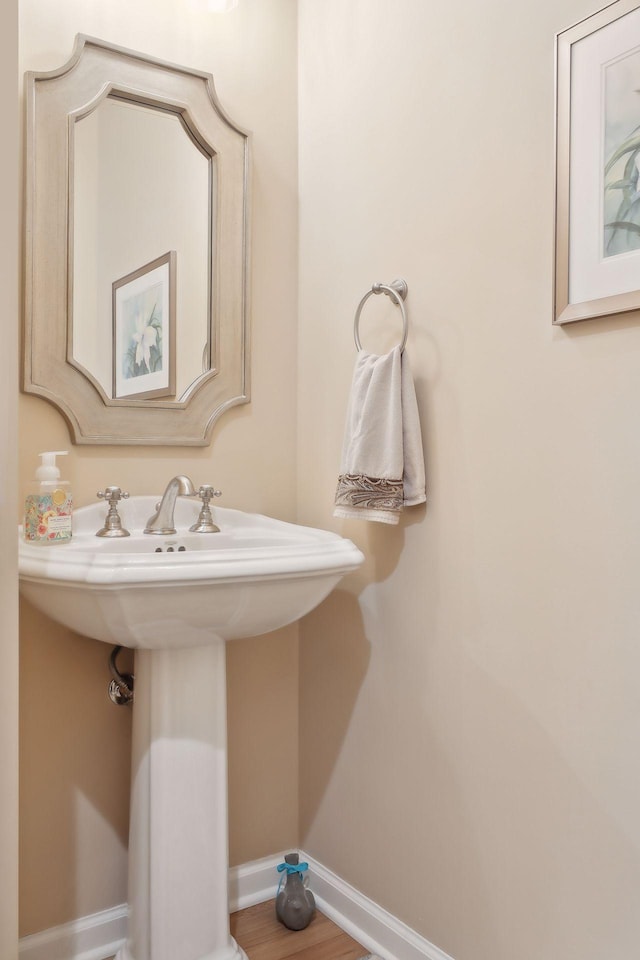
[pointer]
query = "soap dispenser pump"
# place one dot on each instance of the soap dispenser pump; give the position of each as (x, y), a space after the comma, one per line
(48, 506)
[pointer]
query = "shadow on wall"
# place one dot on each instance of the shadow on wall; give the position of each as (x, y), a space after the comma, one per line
(517, 850)
(74, 775)
(382, 545)
(262, 711)
(335, 652)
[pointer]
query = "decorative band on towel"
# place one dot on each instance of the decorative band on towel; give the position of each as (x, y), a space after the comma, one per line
(374, 494)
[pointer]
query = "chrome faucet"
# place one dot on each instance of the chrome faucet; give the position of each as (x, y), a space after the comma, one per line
(162, 521)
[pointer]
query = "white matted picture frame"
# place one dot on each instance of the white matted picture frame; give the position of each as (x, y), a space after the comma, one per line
(144, 331)
(597, 223)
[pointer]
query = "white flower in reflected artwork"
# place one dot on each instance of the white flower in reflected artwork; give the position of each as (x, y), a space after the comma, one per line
(145, 337)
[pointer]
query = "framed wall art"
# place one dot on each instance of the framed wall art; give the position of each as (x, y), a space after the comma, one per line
(597, 226)
(144, 327)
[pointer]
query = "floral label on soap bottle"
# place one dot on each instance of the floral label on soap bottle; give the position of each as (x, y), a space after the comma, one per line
(47, 517)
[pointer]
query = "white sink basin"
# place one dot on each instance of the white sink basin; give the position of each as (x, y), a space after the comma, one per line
(149, 591)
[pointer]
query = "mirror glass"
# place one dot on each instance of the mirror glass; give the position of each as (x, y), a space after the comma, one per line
(142, 186)
(136, 319)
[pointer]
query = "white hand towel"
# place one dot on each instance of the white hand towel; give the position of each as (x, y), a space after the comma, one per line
(382, 468)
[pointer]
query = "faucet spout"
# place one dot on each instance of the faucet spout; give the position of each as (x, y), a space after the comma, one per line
(162, 521)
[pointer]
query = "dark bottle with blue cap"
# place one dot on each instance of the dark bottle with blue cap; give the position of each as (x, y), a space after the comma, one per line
(295, 905)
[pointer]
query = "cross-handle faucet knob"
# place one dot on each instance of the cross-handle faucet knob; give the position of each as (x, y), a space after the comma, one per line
(206, 491)
(112, 494)
(204, 523)
(113, 524)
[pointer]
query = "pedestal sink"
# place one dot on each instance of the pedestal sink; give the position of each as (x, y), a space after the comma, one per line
(177, 600)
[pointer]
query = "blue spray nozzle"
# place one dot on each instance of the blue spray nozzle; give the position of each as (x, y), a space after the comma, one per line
(292, 867)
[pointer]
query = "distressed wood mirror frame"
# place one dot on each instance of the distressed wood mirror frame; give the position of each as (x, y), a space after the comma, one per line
(54, 101)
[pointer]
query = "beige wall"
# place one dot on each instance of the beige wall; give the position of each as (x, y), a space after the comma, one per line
(469, 705)
(74, 743)
(9, 232)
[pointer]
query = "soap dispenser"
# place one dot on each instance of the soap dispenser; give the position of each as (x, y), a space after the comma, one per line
(48, 506)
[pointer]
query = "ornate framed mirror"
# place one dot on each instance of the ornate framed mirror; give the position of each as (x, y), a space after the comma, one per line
(136, 260)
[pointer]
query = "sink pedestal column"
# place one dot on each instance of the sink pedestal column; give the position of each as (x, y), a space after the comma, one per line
(178, 854)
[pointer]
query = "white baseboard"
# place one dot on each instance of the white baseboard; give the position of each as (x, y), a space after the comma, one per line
(90, 938)
(253, 882)
(99, 936)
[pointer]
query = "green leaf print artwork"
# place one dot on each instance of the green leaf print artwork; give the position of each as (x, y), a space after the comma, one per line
(621, 201)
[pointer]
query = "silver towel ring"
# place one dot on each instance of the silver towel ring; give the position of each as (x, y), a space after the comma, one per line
(397, 290)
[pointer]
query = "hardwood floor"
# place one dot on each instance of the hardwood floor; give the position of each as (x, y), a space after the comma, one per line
(262, 937)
